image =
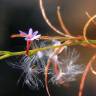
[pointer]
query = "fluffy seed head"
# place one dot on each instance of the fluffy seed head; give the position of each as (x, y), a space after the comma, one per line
(68, 69)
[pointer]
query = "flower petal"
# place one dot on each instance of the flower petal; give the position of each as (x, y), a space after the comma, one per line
(30, 31)
(35, 33)
(22, 34)
(35, 37)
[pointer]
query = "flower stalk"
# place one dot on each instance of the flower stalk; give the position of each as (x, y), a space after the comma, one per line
(7, 54)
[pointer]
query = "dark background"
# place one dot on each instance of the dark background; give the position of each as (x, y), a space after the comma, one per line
(23, 14)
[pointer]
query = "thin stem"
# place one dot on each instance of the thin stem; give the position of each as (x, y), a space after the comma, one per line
(47, 20)
(83, 79)
(61, 22)
(90, 17)
(46, 76)
(7, 54)
(92, 70)
(85, 30)
(4, 56)
(61, 38)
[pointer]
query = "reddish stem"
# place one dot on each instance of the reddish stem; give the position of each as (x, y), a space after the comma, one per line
(85, 74)
(56, 70)
(28, 46)
(46, 76)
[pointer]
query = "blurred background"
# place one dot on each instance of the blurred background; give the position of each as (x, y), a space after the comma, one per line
(24, 14)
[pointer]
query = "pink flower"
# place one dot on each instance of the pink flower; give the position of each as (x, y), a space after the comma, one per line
(31, 35)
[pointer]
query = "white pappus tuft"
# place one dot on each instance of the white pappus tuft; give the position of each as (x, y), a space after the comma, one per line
(31, 72)
(33, 66)
(68, 70)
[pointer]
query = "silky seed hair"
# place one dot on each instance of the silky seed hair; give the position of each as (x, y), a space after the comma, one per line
(68, 69)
